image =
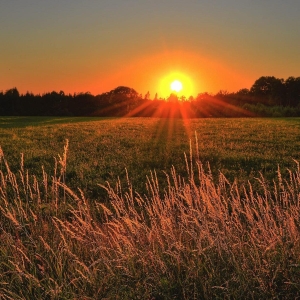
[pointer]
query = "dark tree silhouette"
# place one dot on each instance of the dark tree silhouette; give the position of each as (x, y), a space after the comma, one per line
(11, 101)
(147, 96)
(123, 99)
(173, 98)
(124, 91)
(269, 90)
(268, 96)
(292, 85)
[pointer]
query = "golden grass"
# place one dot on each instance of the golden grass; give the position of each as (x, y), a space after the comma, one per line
(204, 239)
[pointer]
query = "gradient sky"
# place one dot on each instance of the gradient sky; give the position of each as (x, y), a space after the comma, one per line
(97, 45)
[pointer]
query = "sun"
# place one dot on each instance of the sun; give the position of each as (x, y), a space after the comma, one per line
(176, 82)
(176, 86)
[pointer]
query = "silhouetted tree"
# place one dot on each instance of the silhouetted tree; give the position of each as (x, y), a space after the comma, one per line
(147, 96)
(269, 90)
(12, 93)
(83, 104)
(123, 99)
(266, 97)
(11, 101)
(243, 92)
(124, 91)
(2, 101)
(292, 85)
(173, 98)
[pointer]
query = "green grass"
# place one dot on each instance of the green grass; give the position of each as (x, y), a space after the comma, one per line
(101, 148)
(198, 236)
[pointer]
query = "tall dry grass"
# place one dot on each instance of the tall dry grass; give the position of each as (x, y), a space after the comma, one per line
(202, 238)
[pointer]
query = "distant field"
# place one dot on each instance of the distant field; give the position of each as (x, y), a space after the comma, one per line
(100, 149)
(194, 236)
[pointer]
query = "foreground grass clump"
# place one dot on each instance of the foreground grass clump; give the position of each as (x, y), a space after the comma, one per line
(204, 239)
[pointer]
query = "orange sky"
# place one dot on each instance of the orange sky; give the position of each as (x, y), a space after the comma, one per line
(154, 73)
(96, 46)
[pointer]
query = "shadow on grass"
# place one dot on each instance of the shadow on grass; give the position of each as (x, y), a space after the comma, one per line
(19, 122)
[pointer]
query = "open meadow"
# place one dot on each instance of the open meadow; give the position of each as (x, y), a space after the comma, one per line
(101, 149)
(146, 208)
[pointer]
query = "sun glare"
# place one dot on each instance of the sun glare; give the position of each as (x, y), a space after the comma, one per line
(176, 86)
(176, 82)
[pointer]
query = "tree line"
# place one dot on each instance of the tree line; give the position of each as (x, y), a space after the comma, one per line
(268, 96)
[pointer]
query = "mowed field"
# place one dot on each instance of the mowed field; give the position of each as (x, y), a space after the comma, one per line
(101, 150)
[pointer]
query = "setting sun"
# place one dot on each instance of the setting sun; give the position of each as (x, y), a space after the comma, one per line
(177, 82)
(176, 86)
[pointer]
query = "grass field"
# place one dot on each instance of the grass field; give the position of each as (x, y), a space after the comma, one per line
(101, 149)
(189, 233)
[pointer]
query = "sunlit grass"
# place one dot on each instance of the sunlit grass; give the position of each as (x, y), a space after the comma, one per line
(101, 149)
(203, 237)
